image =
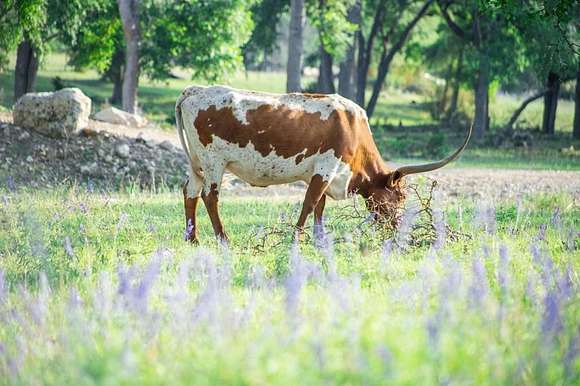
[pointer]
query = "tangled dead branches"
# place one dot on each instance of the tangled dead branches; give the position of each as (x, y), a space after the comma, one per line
(419, 224)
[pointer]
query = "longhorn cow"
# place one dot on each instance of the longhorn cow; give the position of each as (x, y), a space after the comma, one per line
(268, 139)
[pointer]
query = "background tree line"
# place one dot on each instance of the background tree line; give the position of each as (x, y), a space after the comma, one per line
(469, 44)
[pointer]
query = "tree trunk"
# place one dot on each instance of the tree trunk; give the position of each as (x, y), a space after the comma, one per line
(522, 107)
(346, 81)
(481, 119)
(361, 70)
(129, 11)
(551, 104)
(325, 76)
(295, 46)
(456, 84)
(576, 130)
(443, 101)
(115, 74)
(26, 69)
(387, 57)
(365, 50)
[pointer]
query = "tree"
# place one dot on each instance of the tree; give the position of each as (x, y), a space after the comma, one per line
(202, 36)
(99, 44)
(393, 41)
(295, 46)
(475, 33)
(549, 34)
(129, 12)
(330, 17)
(40, 22)
(346, 75)
(21, 24)
(576, 128)
(266, 15)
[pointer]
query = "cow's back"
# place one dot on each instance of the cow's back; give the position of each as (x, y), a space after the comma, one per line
(271, 138)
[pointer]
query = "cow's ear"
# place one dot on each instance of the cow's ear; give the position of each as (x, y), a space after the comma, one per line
(393, 179)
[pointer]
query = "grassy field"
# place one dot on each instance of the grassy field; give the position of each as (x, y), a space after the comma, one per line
(99, 288)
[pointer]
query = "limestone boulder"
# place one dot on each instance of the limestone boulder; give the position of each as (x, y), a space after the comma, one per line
(55, 114)
(120, 117)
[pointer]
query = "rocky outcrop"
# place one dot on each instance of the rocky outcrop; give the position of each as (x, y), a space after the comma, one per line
(55, 114)
(106, 160)
(120, 117)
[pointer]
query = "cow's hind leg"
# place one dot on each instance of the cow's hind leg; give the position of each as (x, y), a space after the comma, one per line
(210, 196)
(314, 194)
(191, 193)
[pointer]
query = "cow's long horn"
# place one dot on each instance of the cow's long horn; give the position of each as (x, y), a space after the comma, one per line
(413, 169)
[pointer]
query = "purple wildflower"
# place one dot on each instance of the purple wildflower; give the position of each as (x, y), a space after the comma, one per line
(294, 281)
(10, 183)
(531, 295)
(124, 280)
(189, 229)
(386, 252)
(121, 223)
(491, 224)
(440, 229)
(541, 233)
(479, 286)
(571, 355)
(141, 292)
(572, 238)
(556, 220)
(433, 330)
(551, 319)
(90, 186)
(503, 269)
(536, 254)
(68, 247)
(405, 227)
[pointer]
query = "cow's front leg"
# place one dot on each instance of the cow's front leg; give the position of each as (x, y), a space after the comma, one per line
(314, 195)
(318, 210)
(211, 200)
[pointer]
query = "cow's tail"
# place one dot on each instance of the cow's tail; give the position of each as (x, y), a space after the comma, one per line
(180, 129)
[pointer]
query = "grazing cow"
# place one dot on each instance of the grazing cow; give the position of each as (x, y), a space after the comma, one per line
(267, 139)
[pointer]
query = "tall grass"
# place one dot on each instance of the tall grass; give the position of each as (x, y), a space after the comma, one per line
(101, 289)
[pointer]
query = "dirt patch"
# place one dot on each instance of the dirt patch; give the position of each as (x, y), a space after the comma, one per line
(112, 154)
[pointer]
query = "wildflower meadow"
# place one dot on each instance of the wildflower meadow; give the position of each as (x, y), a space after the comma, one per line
(100, 288)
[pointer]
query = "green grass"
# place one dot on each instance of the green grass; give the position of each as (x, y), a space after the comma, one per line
(130, 303)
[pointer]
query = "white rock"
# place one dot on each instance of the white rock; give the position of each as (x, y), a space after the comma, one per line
(123, 150)
(166, 145)
(120, 117)
(55, 114)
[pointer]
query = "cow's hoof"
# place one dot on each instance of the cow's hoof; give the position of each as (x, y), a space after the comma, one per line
(192, 240)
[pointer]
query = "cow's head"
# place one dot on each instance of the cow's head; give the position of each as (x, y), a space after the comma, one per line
(386, 195)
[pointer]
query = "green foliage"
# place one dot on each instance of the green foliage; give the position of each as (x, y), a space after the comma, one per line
(20, 19)
(98, 37)
(266, 15)
(330, 19)
(196, 34)
(548, 32)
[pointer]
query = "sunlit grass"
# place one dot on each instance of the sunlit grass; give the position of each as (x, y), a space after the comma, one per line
(101, 289)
